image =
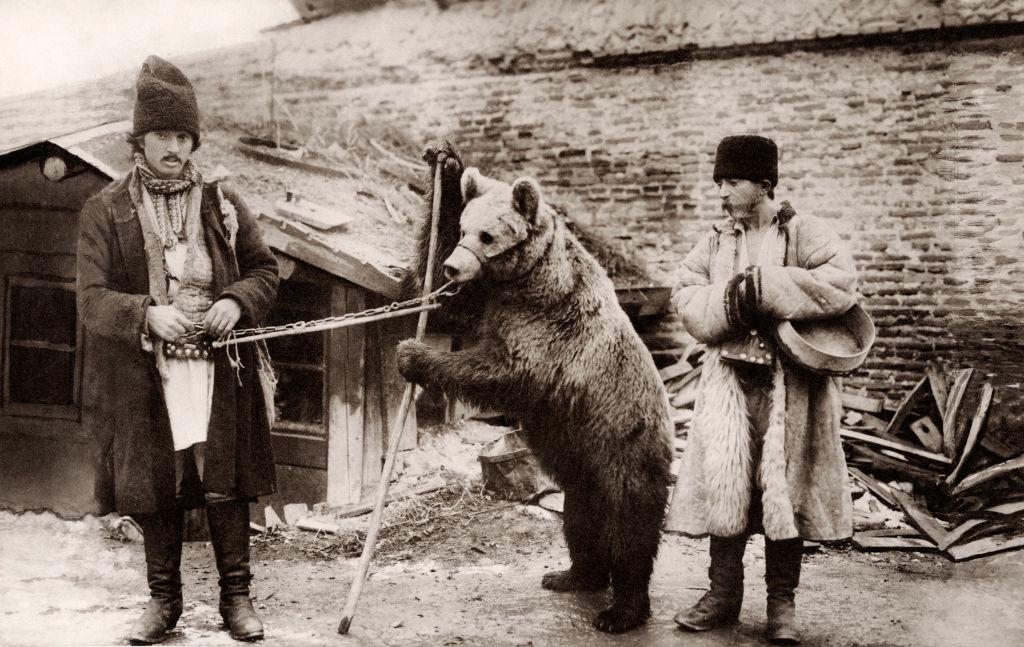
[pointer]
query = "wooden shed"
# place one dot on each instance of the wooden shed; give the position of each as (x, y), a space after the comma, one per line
(46, 459)
(338, 390)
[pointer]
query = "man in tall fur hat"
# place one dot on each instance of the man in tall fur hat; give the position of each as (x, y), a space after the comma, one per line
(764, 453)
(166, 263)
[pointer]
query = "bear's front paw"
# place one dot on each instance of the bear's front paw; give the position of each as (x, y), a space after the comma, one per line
(411, 355)
(442, 152)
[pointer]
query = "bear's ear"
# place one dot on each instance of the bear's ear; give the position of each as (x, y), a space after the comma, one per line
(471, 181)
(526, 197)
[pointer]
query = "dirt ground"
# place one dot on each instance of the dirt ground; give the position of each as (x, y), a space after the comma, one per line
(475, 581)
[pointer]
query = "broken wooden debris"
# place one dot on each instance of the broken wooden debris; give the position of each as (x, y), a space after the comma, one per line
(953, 400)
(929, 435)
(989, 473)
(868, 543)
(270, 517)
(675, 370)
(295, 511)
(936, 439)
(896, 445)
(973, 434)
(997, 515)
(861, 403)
(876, 487)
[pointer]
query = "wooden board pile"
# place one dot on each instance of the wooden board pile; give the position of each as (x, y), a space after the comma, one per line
(681, 380)
(962, 458)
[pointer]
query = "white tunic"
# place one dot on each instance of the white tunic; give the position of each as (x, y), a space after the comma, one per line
(188, 387)
(188, 384)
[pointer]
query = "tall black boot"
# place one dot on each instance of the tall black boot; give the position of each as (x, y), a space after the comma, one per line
(782, 576)
(229, 531)
(161, 535)
(720, 606)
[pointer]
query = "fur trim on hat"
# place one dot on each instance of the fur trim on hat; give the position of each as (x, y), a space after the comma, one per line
(747, 157)
(165, 100)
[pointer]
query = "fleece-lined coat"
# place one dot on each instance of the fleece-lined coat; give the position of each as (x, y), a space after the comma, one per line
(123, 405)
(802, 473)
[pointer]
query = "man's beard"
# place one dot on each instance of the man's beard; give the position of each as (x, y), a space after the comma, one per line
(741, 211)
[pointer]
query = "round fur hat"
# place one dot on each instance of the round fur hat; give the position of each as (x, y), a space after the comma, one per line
(165, 100)
(747, 157)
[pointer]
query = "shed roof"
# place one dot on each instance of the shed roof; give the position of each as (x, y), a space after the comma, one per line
(376, 191)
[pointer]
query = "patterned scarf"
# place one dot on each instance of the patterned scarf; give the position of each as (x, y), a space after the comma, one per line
(170, 198)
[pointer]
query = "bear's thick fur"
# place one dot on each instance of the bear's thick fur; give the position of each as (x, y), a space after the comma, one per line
(556, 351)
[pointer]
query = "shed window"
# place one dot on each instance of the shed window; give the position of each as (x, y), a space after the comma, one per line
(40, 340)
(299, 359)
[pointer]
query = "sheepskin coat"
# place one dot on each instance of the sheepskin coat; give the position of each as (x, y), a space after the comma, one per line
(123, 404)
(801, 477)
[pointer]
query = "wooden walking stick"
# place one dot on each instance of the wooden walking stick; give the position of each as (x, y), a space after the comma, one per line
(399, 423)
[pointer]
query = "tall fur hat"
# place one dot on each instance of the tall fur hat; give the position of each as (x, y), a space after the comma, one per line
(747, 157)
(165, 100)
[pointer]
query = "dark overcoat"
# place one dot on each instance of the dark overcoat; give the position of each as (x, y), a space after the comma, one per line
(122, 400)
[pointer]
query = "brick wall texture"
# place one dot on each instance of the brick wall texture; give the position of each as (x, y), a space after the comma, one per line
(902, 122)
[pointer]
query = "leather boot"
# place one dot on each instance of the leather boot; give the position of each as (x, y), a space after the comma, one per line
(720, 606)
(229, 532)
(162, 538)
(782, 576)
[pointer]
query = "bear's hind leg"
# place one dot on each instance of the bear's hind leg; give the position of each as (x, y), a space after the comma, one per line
(635, 533)
(589, 570)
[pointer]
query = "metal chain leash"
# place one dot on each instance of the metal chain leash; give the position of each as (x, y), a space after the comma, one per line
(394, 309)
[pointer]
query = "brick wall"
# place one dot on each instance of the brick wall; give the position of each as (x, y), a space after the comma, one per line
(901, 121)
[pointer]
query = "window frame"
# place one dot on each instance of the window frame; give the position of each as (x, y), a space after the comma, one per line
(71, 411)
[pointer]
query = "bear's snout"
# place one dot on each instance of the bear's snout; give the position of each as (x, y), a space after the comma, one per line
(462, 266)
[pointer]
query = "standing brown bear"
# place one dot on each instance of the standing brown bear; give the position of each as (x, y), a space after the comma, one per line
(556, 350)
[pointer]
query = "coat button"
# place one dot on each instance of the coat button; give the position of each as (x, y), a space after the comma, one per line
(743, 356)
(761, 345)
(754, 333)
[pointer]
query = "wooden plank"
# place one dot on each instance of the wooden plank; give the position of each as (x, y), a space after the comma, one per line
(977, 425)
(891, 532)
(873, 422)
(882, 491)
(358, 509)
(955, 397)
(909, 402)
(989, 474)
(868, 543)
(861, 403)
(926, 432)
(375, 420)
(268, 155)
(937, 383)
(912, 472)
(985, 546)
(345, 406)
(310, 213)
(920, 518)
(959, 532)
(894, 444)
(331, 257)
(675, 370)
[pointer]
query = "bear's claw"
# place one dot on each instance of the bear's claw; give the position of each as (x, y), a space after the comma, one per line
(570, 580)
